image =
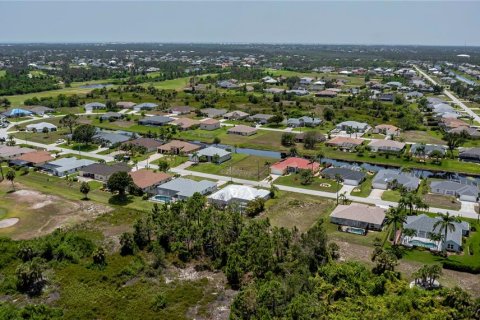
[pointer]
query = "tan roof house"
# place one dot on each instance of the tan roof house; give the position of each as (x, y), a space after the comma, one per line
(210, 124)
(36, 157)
(235, 115)
(149, 143)
(148, 180)
(358, 215)
(178, 147)
(344, 143)
(186, 123)
(126, 104)
(242, 130)
(386, 146)
(387, 129)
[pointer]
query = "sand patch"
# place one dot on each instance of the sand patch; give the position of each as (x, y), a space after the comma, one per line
(6, 223)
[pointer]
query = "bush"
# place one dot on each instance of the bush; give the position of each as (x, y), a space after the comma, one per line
(457, 266)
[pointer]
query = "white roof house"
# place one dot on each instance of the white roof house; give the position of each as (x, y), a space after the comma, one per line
(38, 127)
(64, 166)
(238, 194)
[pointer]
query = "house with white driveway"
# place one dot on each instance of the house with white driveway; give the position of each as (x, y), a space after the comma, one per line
(39, 127)
(386, 179)
(451, 188)
(237, 194)
(66, 166)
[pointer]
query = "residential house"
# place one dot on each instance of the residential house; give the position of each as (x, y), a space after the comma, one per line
(181, 188)
(298, 92)
(303, 122)
(261, 118)
(349, 177)
(126, 104)
(148, 180)
(228, 84)
(155, 121)
(358, 215)
(102, 171)
(387, 146)
(33, 159)
(242, 130)
(211, 154)
(469, 154)
(274, 90)
(235, 115)
(40, 110)
(212, 112)
(179, 110)
(293, 165)
(178, 147)
(413, 95)
(326, 94)
(306, 81)
(452, 123)
(237, 195)
(111, 116)
(17, 113)
(89, 107)
(387, 97)
(145, 106)
(427, 149)
(355, 126)
(451, 188)
(387, 179)
(300, 137)
(470, 132)
(387, 129)
(424, 226)
(65, 166)
(210, 124)
(148, 143)
(344, 143)
(39, 127)
(107, 138)
(12, 152)
(186, 123)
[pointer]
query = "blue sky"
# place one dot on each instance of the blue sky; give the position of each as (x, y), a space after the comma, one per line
(359, 22)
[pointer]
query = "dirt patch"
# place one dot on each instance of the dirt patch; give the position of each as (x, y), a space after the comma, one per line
(450, 278)
(6, 223)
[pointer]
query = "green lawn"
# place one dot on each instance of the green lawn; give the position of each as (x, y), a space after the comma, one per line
(294, 180)
(240, 166)
(80, 147)
(173, 160)
(391, 195)
(365, 188)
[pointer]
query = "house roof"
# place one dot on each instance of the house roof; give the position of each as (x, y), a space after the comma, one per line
(426, 224)
(429, 148)
(126, 104)
(294, 162)
(108, 115)
(387, 144)
(459, 188)
(210, 121)
(146, 105)
(185, 123)
(233, 191)
(67, 164)
(470, 152)
(156, 120)
(261, 116)
(387, 176)
(242, 129)
(178, 144)
(39, 126)
(345, 141)
(16, 112)
(236, 113)
(182, 109)
(36, 157)
(144, 178)
(40, 109)
(388, 127)
(359, 212)
(213, 112)
(353, 124)
(111, 137)
(8, 151)
(94, 105)
(106, 170)
(211, 151)
(346, 174)
(186, 187)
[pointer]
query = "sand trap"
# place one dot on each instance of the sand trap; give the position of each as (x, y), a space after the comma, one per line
(5, 223)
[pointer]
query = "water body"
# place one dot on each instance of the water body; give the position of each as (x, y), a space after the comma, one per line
(96, 86)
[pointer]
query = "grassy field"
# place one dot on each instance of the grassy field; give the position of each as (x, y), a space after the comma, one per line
(240, 166)
(297, 210)
(294, 180)
(173, 160)
(365, 188)
(429, 137)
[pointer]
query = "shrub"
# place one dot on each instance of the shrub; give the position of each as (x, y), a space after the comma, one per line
(457, 266)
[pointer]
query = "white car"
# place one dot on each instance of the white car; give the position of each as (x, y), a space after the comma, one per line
(60, 141)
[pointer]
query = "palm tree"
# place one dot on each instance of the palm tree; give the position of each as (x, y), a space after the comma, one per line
(446, 224)
(343, 198)
(195, 157)
(395, 216)
(338, 179)
(10, 177)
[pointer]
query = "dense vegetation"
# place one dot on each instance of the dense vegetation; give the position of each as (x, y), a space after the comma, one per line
(21, 82)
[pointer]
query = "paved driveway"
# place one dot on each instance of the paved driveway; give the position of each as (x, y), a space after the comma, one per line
(376, 194)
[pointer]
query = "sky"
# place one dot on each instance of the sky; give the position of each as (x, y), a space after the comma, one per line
(227, 21)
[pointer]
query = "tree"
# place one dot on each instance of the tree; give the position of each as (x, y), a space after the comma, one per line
(128, 244)
(5, 103)
(338, 180)
(328, 114)
(30, 277)
(163, 165)
(45, 131)
(288, 139)
(310, 140)
(306, 176)
(276, 119)
(454, 140)
(216, 140)
(395, 217)
(436, 155)
(119, 182)
(10, 176)
(446, 224)
(427, 275)
(84, 134)
(69, 121)
(85, 189)
(255, 206)
(195, 157)
(385, 261)
(99, 257)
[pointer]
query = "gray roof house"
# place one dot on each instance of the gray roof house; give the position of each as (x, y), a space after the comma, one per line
(385, 178)
(471, 154)
(110, 138)
(349, 177)
(451, 188)
(65, 166)
(94, 106)
(386, 146)
(423, 226)
(209, 153)
(41, 110)
(261, 118)
(212, 112)
(357, 215)
(155, 121)
(303, 122)
(235, 115)
(429, 148)
(102, 171)
(111, 116)
(354, 125)
(145, 106)
(181, 188)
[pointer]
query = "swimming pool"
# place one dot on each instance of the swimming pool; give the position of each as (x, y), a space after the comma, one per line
(418, 243)
(160, 198)
(356, 230)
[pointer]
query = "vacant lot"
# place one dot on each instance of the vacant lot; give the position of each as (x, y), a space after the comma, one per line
(297, 210)
(422, 137)
(240, 166)
(319, 184)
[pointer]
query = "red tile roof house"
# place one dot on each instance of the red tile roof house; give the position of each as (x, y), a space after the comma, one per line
(210, 124)
(36, 158)
(242, 130)
(293, 164)
(148, 181)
